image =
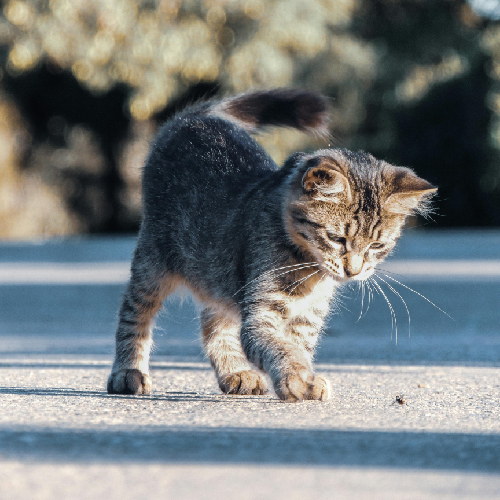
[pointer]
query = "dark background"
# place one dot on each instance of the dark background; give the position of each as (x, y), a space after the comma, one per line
(84, 87)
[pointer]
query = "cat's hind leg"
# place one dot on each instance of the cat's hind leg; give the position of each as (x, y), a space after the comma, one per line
(221, 339)
(142, 299)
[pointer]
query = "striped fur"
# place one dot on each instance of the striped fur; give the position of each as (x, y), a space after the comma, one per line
(264, 248)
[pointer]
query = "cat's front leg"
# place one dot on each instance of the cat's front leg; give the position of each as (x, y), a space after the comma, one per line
(271, 341)
(297, 383)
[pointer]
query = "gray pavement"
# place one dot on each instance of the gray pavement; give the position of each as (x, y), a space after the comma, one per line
(62, 436)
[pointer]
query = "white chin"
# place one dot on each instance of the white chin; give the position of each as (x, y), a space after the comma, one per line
(358, 277)
(363, 275)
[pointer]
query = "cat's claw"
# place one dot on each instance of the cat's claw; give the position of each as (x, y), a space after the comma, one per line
(244, 382)
(129, 381)
(303, 385)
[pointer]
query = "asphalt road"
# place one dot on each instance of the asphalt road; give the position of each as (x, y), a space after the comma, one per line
(62, 436)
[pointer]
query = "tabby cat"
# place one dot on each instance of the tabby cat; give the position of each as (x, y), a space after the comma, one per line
(263, 248)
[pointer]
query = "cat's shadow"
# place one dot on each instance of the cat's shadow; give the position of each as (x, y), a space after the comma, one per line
(86, 366)
(167, 396)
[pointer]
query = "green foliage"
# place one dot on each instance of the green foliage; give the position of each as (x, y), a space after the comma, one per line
(412, 81)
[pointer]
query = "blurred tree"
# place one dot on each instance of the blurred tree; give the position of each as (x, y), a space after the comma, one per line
(158, 53)
(63, 116)
(86, 82)
(429, 106)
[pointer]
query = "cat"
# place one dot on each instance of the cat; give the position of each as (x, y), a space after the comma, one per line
(263, 248)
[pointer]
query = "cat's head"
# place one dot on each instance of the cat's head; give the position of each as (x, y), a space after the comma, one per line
(346, 210)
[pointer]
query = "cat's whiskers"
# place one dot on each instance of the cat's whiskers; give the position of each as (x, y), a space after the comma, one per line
(337, 300)
(394, 323)
(303, 265)
(389, 272)
(362, 286)
(418, 293)
(296, 269)
(319, 281)
(393, 290)
(299, 282)
(370, 294)
(378, 288)
(366, 296)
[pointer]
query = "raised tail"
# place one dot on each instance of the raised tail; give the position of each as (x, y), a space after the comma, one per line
(300, 109)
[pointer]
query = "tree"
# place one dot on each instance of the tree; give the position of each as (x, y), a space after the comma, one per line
(87, 81)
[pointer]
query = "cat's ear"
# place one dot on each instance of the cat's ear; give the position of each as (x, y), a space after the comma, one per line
(326, 180)
(410, 193)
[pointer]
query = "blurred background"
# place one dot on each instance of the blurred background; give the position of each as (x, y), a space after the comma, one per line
(84, 85)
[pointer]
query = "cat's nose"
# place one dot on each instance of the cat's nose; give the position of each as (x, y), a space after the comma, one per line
(353, 265)
(351, 272)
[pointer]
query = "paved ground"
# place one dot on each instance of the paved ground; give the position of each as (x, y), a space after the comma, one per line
(62, 436)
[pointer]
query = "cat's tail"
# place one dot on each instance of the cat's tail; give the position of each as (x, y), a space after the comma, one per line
(253, 111)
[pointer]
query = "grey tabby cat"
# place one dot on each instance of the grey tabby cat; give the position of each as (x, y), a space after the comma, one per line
(263, 248)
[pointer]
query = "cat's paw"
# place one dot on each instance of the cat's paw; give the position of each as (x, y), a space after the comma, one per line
(244, 382)
(129, 381)
(302, 384)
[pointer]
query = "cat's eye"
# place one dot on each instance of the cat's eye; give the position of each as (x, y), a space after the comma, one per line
(377, 245)
(337, 239)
